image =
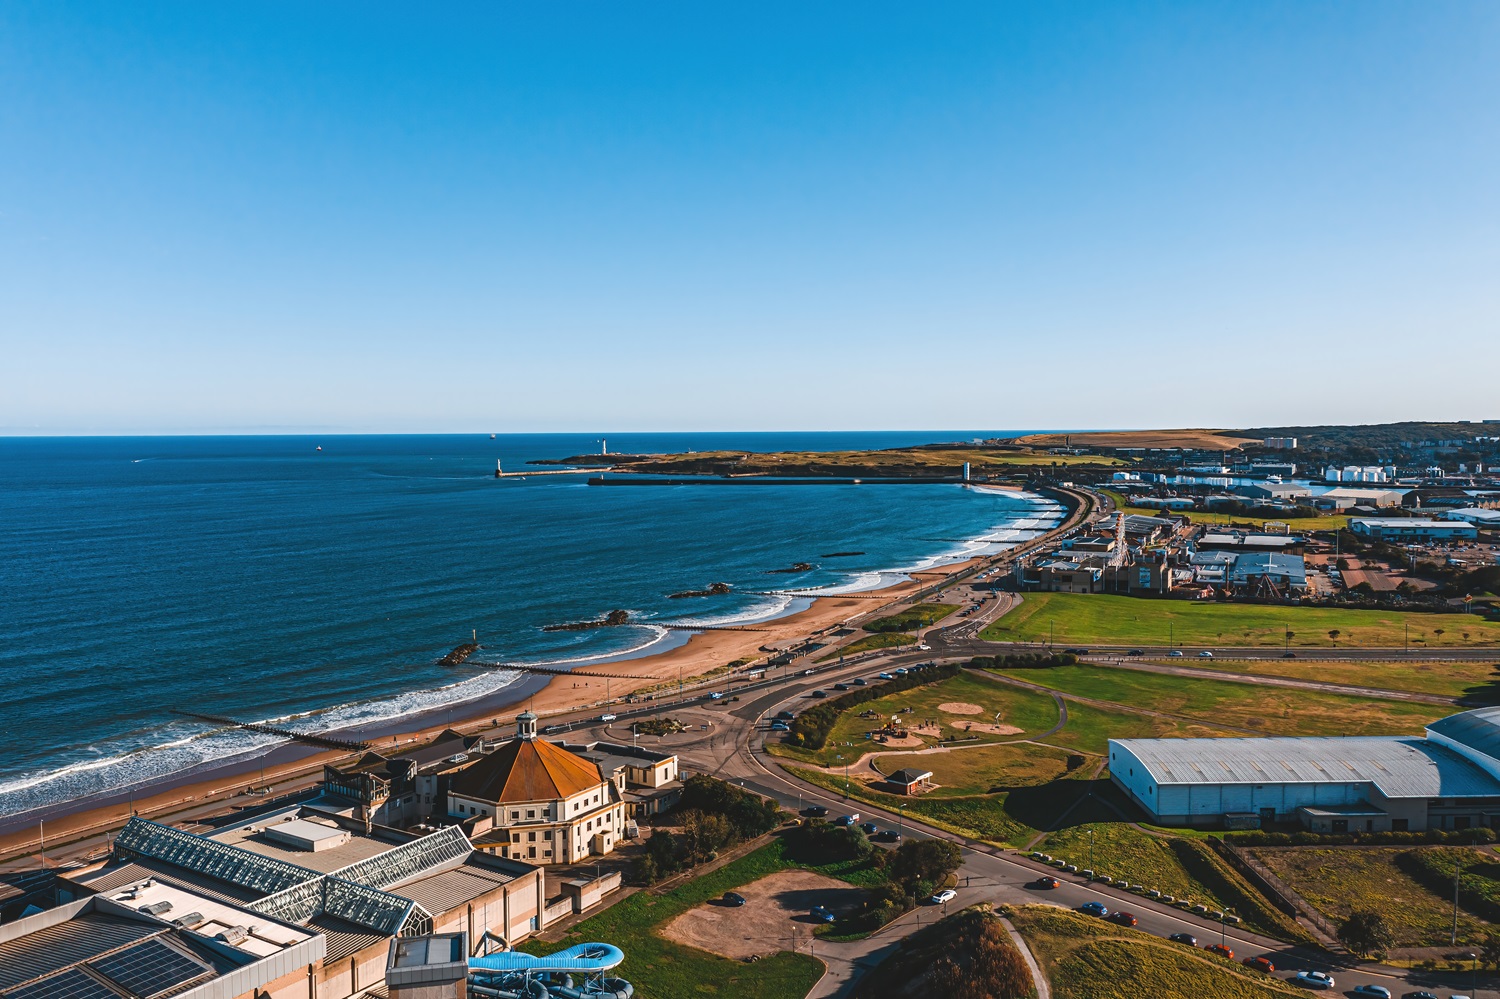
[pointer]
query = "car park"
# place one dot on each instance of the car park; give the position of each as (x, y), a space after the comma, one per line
(943, 897)
(823, 914)
(1259, 963)
(1220, 950)
(734, 898)
(1123, 918)
(1314, 979)
(1184, 938)
(1094, 909)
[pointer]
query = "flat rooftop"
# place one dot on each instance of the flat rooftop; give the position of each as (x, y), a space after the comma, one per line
(252, 837)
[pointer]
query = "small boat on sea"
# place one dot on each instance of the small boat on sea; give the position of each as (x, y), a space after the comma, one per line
(320, 447)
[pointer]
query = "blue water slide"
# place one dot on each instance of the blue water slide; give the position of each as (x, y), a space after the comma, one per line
(513, 975)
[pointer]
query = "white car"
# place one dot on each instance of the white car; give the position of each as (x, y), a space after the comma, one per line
(1314, 979)
(1205, 655)
(946, 895)
(608, 718)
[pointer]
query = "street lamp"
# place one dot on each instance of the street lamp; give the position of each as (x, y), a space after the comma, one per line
(1473, 973)
(1223, 922)
(1091, 852)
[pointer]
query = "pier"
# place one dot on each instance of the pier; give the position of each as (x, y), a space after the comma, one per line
(321, 741)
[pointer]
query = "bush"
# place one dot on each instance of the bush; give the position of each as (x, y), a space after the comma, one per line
(748, 814)
(810, 729)
(1023, 660)
(824, 843)
(1304, 838)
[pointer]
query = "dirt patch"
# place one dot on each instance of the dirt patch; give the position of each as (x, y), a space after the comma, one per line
(776, 909)
(930, 729)
(906, 742)
(960, 708)
(991, 729)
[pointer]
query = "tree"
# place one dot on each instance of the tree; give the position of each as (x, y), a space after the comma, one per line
(1366, 932)
(922, 864)
(661, 848)
(703, 834)
(1334, 634)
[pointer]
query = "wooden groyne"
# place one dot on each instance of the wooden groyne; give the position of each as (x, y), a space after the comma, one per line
(552, 671)
(323, 741)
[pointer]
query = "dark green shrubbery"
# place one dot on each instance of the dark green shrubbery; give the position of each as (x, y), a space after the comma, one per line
(714, 815)
(1430, 836)
(1024, 660)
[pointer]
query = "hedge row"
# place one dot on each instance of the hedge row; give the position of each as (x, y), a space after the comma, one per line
(1430, 836)
(810, 728)
(1024, 660)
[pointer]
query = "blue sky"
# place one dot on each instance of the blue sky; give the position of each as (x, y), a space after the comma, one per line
(253, 216)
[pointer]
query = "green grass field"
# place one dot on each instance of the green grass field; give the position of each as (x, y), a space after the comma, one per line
(660, 969)
(1178, 866)
(1477, 680)
(987, 769)
(1260, 709)
(981, 817)
(1086, 958)
(911, 618)
(1332, 522)
(1339, 881)
(1028, 711)
(1084, 619)
(889, 640)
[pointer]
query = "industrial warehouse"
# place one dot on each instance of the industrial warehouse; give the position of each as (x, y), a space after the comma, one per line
(1448, 780)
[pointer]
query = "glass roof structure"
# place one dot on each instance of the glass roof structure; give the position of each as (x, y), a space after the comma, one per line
(152, 840)
(443, 848)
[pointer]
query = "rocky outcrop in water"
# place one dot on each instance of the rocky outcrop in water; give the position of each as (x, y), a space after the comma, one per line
(797, 567)
(714, 590)
(613, 619)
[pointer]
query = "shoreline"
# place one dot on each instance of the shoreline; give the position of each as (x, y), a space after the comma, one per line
(224, 781)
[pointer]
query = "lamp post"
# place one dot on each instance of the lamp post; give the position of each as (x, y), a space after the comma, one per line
(1091, 852)
(1473, 973)
(1223, 923)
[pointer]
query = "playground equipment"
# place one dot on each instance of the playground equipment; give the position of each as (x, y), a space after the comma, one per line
(574, 973)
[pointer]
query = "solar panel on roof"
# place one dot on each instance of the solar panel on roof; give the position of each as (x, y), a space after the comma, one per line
(150, 968)
(71, 984)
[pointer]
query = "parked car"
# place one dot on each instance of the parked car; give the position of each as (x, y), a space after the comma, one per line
(1289, 655)
(902, 671)
(924, 648)
(848, 820)
(1314, 979)
(1418, 995)
(841, 686)
(1135, 652)
(820, 693)
(1186, 938)
(1175, 653)
(1377, 991)
(1046, 881)
(1077, 652)
(1259, 964)
(860, 681)
(823, 914)
(944, 896)
(888, 836)
(867, 827)
(1094, 909)
(1220, 950)
(780, 726)
(608, 718)
(815, 811)
(1123, 918)
(1205, 654)
(785, 715)
(887, 676)
(734, 898)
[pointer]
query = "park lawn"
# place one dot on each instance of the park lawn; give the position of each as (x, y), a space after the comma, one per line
(1031, 711)
(889, 640)
(986, 769)
(1479, 681)
(911, 618)
(661, 969)
(1090, 728)
(1087, 958)
(1173, 865)
(1332, 522)
(1339, 881)
(1084, 618)
(1260, 709)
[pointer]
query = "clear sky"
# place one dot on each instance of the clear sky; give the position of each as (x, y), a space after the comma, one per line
(655, 216)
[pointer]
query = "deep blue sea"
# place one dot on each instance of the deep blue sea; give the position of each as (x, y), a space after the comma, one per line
(261, 578)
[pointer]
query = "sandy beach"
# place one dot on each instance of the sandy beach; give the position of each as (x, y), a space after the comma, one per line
(218, 783)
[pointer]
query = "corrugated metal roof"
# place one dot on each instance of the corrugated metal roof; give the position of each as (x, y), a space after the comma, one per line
(344, 938)
(438, 893)
(1399, 767)
(63, 945)
(1479, 730)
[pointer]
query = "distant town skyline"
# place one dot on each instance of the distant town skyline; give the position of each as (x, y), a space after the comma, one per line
(590, 218)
